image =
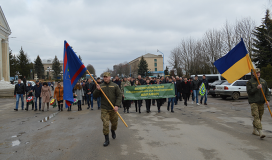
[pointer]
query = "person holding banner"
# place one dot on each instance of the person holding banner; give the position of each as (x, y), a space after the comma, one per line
(147, 101)
(171, 100)
(126, 103)
(256, 101)
(114, 94)
(139, 102)
(159, 101)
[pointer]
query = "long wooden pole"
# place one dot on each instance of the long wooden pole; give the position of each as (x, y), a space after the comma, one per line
(107, 99)
(255, 74)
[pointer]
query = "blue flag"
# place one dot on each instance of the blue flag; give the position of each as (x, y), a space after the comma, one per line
(73, 69)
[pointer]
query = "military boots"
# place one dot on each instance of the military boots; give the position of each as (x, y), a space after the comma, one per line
(113, 134)
(255, 132)
(107, 141)
(261, 133)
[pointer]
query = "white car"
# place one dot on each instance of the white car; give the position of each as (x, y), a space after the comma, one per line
(234, 90)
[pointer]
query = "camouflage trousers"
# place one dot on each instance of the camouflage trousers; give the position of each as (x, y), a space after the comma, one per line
(257, 111)
(106, 116)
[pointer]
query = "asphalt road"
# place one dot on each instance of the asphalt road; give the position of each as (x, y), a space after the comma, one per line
(219, 131)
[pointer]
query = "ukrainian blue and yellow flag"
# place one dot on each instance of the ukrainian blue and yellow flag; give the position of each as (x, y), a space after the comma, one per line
(235, 64)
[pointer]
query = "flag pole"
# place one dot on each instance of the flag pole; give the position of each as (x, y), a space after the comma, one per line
(108, 99)
(255, 74)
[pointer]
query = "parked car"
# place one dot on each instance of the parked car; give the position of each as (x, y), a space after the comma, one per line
(16, 82)
(213, 85)
(234, 90)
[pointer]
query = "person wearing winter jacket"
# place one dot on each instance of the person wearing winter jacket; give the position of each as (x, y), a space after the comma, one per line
(195, 84)
(19, 92)
(185, 90)
(37, 90)
(29, 93)
(58, 95)
(46, 95)
(84, 90)
(207, 87)
(78, 92)
(89, 87)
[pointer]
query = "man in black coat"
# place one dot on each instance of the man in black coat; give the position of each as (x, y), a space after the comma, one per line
(38, 90)
(19, 92)
(195, 84)
(141, 80)
(178, 84)
(89, 88)
(185, 90)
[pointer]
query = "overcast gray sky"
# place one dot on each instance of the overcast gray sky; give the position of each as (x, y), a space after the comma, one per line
(109, 32)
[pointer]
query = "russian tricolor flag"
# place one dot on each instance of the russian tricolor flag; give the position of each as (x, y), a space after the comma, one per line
(73, 69)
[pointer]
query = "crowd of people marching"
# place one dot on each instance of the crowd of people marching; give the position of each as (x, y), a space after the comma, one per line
(83, 92)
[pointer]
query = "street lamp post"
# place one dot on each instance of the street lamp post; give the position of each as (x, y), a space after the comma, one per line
(163, 60)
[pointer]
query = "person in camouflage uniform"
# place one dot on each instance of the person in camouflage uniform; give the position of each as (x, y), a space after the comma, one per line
(126, 103)
(114, 94)
(256, 101)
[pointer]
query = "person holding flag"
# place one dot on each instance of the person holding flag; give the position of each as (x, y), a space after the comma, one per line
(114, 94)
(236, 64)
(256, 100)
(73, 70)
(109, 92)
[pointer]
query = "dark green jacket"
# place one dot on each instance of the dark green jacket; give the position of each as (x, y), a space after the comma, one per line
(254, 94)
(112, 91)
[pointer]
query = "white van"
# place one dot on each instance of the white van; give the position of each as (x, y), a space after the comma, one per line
(214, 77)
(210, 77)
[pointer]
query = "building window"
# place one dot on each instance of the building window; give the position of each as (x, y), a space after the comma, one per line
(155, 64)
(155, 69)
(155, 60)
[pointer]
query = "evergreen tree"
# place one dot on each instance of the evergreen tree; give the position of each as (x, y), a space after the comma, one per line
(166, 71)
(38, 66)
(13, 61)
(56, 67)
(266, 72)
(23, 63)
(262, 55)
(143, 67)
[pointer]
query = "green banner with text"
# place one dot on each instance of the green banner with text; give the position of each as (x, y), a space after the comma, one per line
(154, 91)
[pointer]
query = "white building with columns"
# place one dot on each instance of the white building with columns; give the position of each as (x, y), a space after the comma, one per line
(6, 89)
(4, 48)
